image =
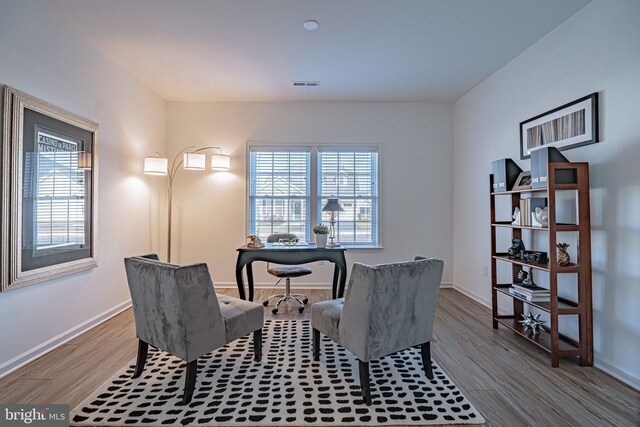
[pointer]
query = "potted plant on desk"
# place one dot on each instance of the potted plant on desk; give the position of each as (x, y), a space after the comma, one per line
(321, 231)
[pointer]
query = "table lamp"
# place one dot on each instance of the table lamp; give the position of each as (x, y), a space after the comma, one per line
(332, 206)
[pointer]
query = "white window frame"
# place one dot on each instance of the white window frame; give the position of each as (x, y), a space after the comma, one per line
(314, 209)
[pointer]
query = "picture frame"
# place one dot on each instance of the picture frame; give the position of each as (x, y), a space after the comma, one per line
(523, 182)
(49, 193)
(569, 126)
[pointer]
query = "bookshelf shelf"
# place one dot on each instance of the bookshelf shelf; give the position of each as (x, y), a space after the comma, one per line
(559, 227)
(550, 339)
(543, 339)
(571, 268)
(564, 306)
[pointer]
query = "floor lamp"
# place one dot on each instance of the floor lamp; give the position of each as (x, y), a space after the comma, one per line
(332, 206)
(189, 158)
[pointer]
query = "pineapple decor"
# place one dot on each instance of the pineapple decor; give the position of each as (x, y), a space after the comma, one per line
(563, 256)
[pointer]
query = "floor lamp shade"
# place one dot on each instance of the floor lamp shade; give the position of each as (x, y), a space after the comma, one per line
(195, 161)
(220, 162)
(156, 166)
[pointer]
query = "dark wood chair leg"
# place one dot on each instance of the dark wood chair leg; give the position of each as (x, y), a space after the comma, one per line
(143, 348)
(316, 344)
(425, 349)
(365, 387)
(257, 345)
(190, 381)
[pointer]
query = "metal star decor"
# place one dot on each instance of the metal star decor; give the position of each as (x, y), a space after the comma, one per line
(533, 323)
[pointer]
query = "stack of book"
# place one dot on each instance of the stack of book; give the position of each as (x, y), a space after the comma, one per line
(530, 293)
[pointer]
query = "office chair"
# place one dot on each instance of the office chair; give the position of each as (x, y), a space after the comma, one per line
(286, 272)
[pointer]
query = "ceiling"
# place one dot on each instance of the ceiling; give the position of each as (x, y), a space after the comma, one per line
(364, 50)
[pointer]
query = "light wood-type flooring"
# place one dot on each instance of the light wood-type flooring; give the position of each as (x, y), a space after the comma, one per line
(509, 380)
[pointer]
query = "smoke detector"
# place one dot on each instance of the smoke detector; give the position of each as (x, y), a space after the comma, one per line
(311, 25)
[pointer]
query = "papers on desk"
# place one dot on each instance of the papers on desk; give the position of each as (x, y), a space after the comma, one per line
(290, 244)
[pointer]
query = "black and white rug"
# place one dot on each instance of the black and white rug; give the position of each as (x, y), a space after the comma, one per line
(286, 389)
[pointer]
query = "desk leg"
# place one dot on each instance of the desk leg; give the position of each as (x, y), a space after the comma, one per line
(239, 282)
(250, 279)
(334, 286)
(343, 275)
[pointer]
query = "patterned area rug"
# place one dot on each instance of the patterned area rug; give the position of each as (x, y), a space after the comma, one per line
(286, 389)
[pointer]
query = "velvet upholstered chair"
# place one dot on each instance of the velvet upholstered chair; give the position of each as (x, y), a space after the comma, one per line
(177, 310)
(387, 308)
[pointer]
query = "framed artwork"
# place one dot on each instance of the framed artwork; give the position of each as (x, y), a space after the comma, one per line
(569, 126)
(49, 167)
(523, 182)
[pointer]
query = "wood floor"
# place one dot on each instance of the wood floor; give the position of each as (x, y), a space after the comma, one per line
(508, 380)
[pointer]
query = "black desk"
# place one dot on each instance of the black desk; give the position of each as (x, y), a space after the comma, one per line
(291, 255)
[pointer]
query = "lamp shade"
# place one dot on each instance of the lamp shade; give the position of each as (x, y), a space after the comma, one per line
(332, 206)
(156, 165)
(84, 161)
(220, 162)
(195, 161)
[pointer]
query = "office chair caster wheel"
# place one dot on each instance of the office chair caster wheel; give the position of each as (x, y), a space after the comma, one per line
(306, 300)
(301, 309)
(265, 303)
(274, 311)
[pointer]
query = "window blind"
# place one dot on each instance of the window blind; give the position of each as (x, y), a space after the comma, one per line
(352, 177)
(279, 193)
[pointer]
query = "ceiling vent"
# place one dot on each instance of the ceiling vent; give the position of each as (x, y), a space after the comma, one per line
(299, 83)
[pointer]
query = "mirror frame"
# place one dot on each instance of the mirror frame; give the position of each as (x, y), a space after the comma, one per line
(12, 159)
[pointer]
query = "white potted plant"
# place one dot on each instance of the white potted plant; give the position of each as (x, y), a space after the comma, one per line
(321, 231)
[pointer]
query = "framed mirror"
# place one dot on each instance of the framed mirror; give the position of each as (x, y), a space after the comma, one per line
(49, 208)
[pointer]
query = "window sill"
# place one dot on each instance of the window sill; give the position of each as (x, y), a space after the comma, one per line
(368, 248)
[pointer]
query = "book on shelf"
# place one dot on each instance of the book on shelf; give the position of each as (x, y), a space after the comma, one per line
(528, 297)
(528, 208)
(534, 290)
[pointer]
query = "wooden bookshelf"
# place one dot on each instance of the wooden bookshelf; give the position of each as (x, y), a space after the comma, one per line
(550, 339)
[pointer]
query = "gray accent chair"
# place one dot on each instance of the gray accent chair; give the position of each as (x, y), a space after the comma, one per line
(286, 272)
(177, 310)
(387, 308)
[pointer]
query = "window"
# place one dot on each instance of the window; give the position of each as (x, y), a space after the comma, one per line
(289, 186)
(351, 177)
(279, 193)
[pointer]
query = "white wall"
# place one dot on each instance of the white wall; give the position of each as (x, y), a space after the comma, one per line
(415, 176)
(596, 50)
(40, 57)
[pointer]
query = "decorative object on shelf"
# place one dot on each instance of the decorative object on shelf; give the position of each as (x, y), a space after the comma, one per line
(523, 182)
(516, 249)
(516, 216)
(540, 217)
(49, 192)
(505, 172)
(526, 278)
(254, 241)
(571, 125)
(563, 256)
(321, 231)
(532, 322)
(540, 160)
(332, 206)
(536, 257)
(189, 158)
